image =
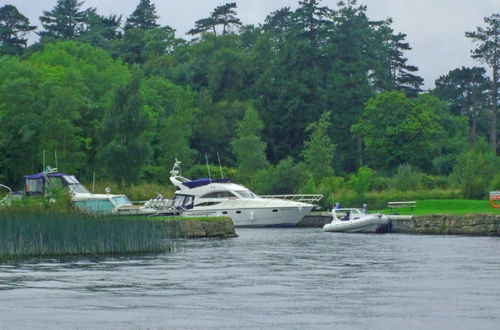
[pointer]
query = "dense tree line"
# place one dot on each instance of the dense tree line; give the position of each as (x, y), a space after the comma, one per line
(323, 89)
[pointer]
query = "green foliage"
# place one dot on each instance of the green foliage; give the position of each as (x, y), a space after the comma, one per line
(318, 150)
(328, 187)
(201, 171)
(284, 178)
(320, 80)
(247, 146)
(495, 183)
(125, 148)
(397, 130)
(474, 171)
(65, 21)
(144, 16)
(361, 181)
(56, 199)
(14, 27)
(216, 127)
(407, 178)
(224, 15)
(377, 200)
(21, 120)
(449, 206)
(488, 52)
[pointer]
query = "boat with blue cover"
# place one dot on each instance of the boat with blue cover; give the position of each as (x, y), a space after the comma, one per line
(41, 184)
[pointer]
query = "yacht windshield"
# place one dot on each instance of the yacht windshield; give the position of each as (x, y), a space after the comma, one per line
(74, 185)
(78, 188)
(121, 200)
(245, 193)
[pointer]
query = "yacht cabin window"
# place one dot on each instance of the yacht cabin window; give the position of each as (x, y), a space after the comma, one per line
(219, 194)
(245, 193)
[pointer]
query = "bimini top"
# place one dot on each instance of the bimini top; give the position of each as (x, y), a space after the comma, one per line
(203, 182)
(34, 184)
(42, 175)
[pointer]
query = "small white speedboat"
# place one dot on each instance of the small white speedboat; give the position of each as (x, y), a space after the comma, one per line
(352, 220)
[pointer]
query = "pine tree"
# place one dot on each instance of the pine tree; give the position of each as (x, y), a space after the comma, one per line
(144, 16)
(224, 15)
(14, 27)
(66, 20)
(465, 90)
(489, 52)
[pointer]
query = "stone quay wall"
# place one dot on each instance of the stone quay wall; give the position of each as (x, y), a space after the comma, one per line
(198, 228)
(437, 224)
(442, 224)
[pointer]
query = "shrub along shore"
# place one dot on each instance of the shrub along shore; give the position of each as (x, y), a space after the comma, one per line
(26, 233)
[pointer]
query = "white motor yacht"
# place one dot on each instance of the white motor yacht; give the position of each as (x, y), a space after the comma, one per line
(352, 220)
(222, 198)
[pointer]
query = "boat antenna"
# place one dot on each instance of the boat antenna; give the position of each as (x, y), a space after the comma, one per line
(93, 182)
(176, 169)
(208, 168)
(55, 157)
(43, 159)
(220, 167)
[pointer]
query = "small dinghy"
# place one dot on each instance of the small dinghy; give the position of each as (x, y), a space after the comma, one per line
(352, 220)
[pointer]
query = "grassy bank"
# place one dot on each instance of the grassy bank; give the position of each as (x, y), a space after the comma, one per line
(446, 206)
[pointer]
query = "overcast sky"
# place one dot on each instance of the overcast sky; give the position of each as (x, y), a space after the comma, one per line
(435, 28)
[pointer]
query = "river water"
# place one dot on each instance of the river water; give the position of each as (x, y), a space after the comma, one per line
(298, 278)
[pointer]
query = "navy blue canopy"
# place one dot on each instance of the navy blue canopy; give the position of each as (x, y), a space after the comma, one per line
(41, 175)
(203, 182)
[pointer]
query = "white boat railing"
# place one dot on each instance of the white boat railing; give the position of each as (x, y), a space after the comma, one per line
(304, 198)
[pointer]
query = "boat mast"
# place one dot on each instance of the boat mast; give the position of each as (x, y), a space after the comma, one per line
(220, 167)
(208, 168)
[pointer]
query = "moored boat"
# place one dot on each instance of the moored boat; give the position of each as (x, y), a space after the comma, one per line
(207, 197)
(353, 220)
(40, 184)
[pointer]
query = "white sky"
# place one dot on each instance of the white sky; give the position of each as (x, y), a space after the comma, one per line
(435, 28)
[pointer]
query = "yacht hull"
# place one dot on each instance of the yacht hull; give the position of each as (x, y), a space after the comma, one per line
(256, 217)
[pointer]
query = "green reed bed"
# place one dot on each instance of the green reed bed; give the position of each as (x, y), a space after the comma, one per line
(24, 233)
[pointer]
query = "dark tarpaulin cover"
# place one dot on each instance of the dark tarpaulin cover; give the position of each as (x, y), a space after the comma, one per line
(203, 182)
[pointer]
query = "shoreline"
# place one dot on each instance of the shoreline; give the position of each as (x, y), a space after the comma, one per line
(434, 224)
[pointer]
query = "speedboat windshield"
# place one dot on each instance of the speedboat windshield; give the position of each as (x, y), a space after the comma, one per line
(78, 188)
(74, 185)
(246, 193)
(121, 200)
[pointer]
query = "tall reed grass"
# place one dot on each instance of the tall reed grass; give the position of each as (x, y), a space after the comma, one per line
(25, 233)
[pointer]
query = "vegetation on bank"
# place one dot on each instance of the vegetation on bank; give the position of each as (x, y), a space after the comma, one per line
(312, 100)
(445, 206)
(45, 226)
(63, 233)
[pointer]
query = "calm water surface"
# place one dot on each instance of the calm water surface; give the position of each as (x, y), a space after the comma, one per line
(266, 278)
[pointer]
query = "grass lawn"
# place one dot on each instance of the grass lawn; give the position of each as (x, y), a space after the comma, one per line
(446, 206)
